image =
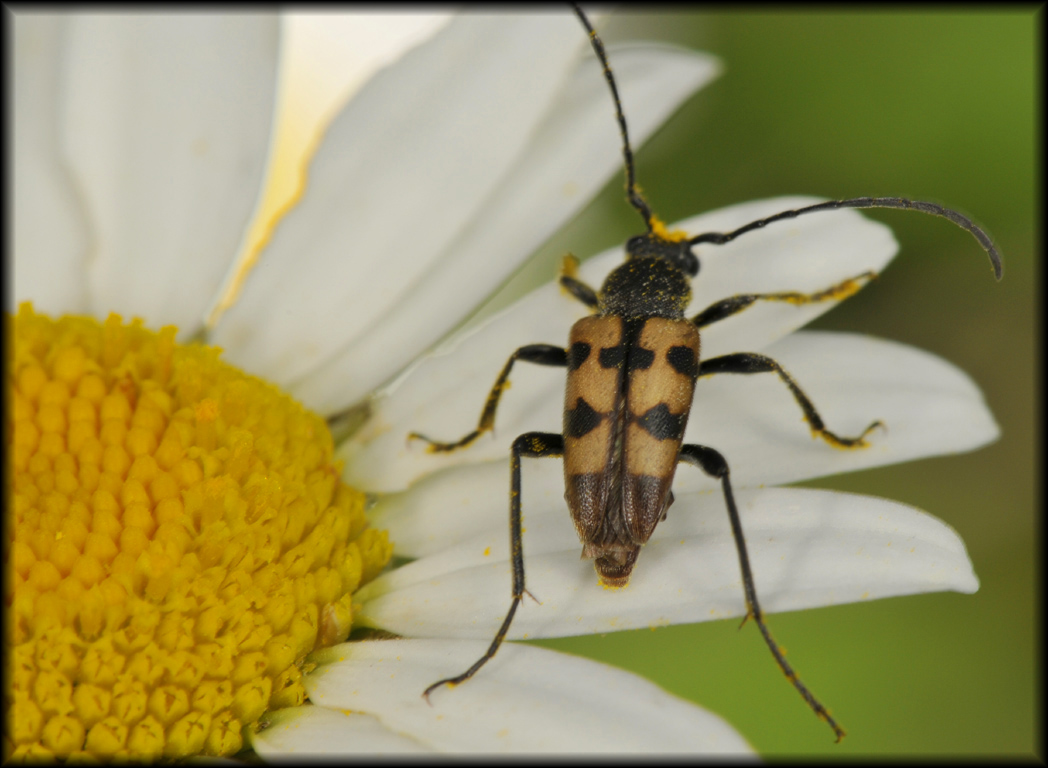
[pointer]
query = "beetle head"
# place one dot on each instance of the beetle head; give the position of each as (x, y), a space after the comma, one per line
(677, 252)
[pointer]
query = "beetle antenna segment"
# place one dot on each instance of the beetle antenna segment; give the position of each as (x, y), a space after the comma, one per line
(720, 238)
(635, 198)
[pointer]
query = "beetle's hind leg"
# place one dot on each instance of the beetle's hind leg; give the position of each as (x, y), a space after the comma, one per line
(750, 362)
(735, 304)
(533, 445)
(713, 464)
(540, 354)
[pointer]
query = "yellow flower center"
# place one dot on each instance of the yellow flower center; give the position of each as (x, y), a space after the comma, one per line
(178, 541)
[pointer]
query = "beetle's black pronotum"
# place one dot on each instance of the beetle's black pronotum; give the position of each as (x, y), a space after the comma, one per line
(631, 372)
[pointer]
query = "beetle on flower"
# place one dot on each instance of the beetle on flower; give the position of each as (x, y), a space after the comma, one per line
(111, 215)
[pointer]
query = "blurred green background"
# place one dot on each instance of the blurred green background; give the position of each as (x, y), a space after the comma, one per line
(930, 106)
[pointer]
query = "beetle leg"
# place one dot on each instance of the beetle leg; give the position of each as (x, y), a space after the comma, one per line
(540, 354)
(713, 464)
(750, 362)
(735, 304)
(569, 282)
(533, 445)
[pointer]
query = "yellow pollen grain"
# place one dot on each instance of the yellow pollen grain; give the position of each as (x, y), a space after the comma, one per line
(658, 228)
(178, 541)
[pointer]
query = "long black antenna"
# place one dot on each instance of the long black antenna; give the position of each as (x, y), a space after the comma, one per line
(720, 238)
(635, 198)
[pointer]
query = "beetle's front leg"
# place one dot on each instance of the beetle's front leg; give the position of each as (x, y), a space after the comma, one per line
(569, 281)
(750, 362)
(540, 354)
(533, 445)
(735, 304)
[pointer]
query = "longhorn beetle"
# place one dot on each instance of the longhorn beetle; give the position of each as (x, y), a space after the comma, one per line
(631, 372)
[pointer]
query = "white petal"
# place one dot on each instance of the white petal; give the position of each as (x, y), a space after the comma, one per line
(525, 700)
(336, 53)
(570, 156)
(167, 129)
(375, 293)
(400, 171)
(807, 549)
(291, 734)
(446, 507)
(50, 232)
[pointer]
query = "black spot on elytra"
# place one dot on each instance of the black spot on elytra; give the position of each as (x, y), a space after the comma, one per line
(641, 359)
(611, 357)
(578, 354)
(683, 361)
(581, 420)
(661, 424)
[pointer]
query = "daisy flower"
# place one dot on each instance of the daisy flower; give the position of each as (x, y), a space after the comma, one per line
(184, 533)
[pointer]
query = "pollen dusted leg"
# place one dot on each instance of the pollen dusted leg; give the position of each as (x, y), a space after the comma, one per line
(713, 464)
(540, 354)
(735, 304)
(750, 362)
(534, 445)
(570, 282)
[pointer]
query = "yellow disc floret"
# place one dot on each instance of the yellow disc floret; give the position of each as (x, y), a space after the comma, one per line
(178, 541)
